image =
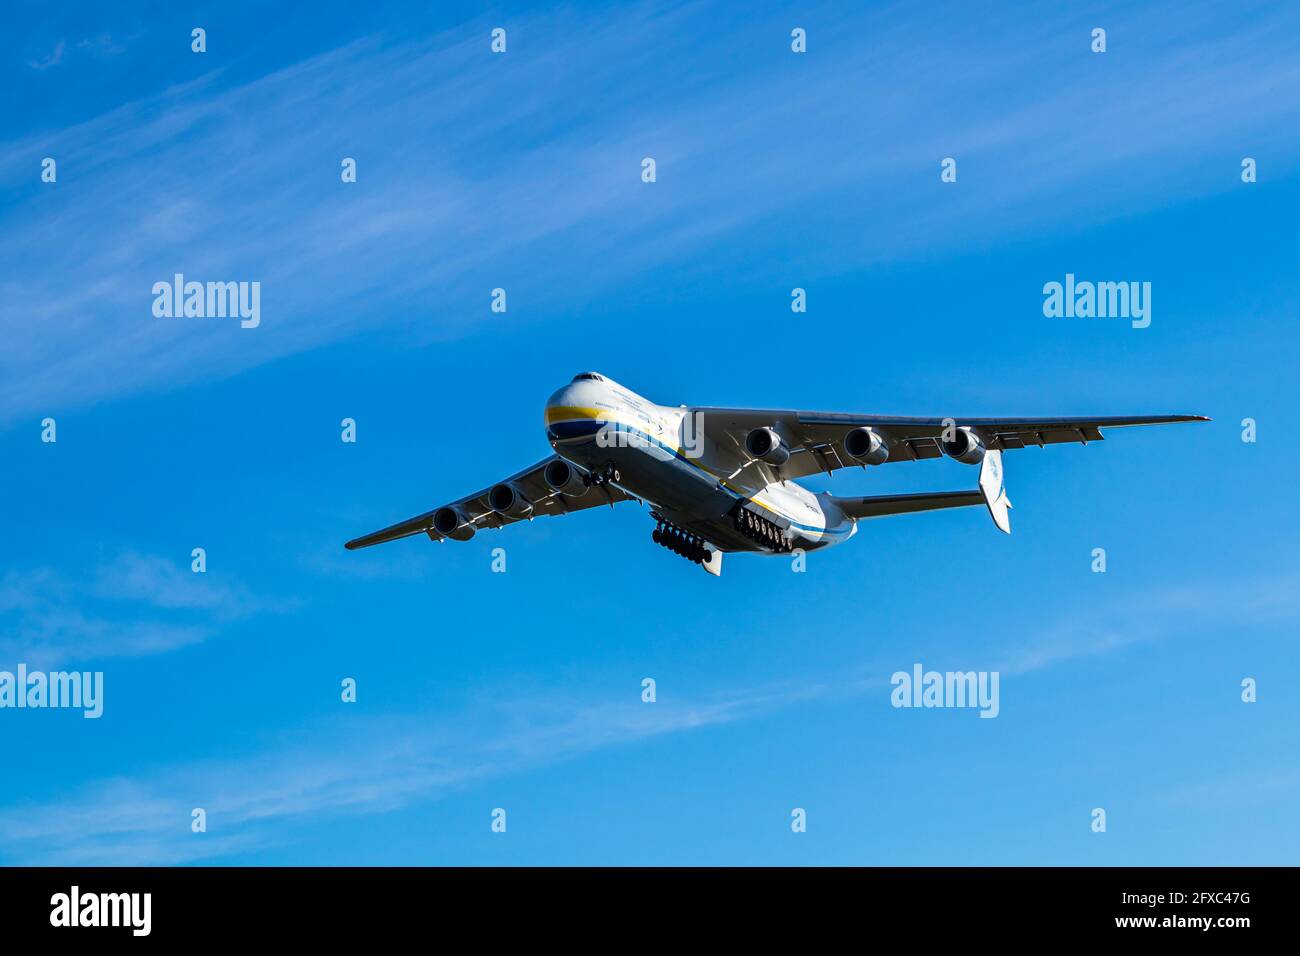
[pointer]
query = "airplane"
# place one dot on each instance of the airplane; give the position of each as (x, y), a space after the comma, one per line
(720, 480)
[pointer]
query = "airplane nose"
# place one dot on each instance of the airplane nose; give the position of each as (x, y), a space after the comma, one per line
(562, 398)
(556, 411)
(572, 413)
(583, 391)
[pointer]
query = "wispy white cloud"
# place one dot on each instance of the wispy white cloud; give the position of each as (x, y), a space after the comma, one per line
(370, 766)
(374, 764)
(130, 607)
(154, 580)
(476, 170)
(53, 58)
(1156, 615)
(102, 44)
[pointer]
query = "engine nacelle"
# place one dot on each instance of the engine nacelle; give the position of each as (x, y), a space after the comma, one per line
(866, 446)
(507, 500)
(565, 479)
(766, 445)
(450, 523)
(966, 447)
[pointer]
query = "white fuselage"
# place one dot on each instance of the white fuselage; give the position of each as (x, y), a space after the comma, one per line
(662, 457)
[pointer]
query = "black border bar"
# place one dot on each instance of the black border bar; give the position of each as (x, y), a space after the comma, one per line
(207, 904)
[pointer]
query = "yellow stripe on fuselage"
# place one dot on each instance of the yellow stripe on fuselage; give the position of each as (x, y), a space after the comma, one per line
(569, 413)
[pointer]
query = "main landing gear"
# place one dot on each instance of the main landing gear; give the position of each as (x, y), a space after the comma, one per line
(759, 529)
(609, 475)
(689, 546)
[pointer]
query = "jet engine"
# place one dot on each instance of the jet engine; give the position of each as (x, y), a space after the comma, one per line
(866, 446)
(506, 500)
(766, 445)
(565, 479)
(966, 447)
(450, 522)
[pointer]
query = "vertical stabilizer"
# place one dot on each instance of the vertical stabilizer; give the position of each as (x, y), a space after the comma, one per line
(993, 487)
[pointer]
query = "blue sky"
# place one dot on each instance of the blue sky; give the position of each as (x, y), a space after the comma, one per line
(522, 690)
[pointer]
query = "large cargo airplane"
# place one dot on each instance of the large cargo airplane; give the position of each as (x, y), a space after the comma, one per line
(723, 479)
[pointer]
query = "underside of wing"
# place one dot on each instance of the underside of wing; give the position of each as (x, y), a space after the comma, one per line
(817, 440)
(520, 497)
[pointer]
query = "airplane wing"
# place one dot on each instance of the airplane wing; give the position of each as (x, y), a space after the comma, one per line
(816, 439)
(475, 512)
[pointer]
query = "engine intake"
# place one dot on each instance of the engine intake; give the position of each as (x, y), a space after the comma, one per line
(506, 500)
(866, 446)
(966, 446)
(565, 479)
(452, 524)
(766, 445)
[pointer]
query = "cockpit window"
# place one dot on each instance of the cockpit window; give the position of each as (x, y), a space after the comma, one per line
(588, 377)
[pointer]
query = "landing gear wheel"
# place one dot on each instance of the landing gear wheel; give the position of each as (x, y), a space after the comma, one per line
(684, 543)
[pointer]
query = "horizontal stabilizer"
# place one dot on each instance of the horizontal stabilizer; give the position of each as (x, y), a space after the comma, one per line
(881, 505)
